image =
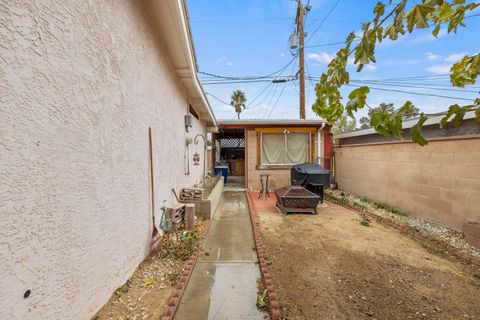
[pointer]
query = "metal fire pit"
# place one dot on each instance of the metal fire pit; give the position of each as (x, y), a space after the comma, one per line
(296, 199)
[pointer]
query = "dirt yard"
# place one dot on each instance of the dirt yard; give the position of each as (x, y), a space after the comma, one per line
(329, 266)
(146, 293)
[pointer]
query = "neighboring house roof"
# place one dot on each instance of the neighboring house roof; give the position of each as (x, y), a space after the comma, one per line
(407, 124)
(431, 130)
(172, 19)
(272, 122)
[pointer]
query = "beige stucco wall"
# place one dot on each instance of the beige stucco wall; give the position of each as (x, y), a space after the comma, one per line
(80, 83)
(440, 181)
(278, 177)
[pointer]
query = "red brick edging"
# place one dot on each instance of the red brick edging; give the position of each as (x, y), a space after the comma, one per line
(267, 280)
(176, 296)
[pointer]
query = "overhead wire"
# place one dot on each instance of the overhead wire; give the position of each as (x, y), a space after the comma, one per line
(281, 92)
(258, 95)
(240, 20)
(415, 93)
(276, 101)
(264, 99)
(234, 81)
(388, 84)
(323, 21)
(248, 77)
(218, 99)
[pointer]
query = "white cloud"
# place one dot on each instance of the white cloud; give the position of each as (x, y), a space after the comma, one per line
(224, 60)
(439, 69)
(432, 56)
(454, 57)
(282, 54)
(370, 67)
(321, 57)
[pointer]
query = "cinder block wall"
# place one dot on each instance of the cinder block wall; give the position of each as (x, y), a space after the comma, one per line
(440, 181)
(80, 83)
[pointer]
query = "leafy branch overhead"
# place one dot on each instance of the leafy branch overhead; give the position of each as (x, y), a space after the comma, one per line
(429, 13)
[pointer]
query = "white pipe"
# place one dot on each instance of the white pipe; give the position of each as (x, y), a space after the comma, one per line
(319, 141)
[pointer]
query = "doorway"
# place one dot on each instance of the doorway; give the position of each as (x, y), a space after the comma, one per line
(230, 155)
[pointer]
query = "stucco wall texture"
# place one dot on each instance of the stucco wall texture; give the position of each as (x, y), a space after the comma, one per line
(80, 83)
(440, 181)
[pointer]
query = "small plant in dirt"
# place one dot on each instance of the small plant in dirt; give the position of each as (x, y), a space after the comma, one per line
(365, 199)
(344, 199)
(386, 207)
(365, 222)
(359, 205)
(262, 300)
(173, 278)
(380, 205)
(180, 246)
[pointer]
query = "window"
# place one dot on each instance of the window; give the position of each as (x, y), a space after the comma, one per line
(284, 148)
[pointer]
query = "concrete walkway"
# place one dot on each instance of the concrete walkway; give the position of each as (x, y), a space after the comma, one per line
(223, 284)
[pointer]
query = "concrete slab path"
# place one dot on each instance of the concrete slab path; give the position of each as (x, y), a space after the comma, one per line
(223, 285)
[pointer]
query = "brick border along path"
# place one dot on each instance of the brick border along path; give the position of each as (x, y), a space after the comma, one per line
(267, 280)
(176, 296)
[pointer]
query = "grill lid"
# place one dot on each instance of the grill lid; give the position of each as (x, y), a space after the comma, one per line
(295, 192)
(309, 168)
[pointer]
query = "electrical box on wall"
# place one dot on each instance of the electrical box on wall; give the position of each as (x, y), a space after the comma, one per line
(188, 121)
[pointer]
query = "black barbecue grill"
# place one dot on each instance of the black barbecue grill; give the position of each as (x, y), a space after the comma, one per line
(311, 176)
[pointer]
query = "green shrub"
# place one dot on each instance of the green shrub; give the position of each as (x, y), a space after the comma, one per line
(365, 199)
(365, 222)
(359, 205)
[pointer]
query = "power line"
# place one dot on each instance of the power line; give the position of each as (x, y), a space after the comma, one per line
(216, 98)
(276, 101)
(248, 77)
(412, 86)
(265, 112)
(240, 20)
(328, 44)
(234, 81)
(323, 21)
(417, 84)
(270, 85)
(264, 99)
(415, 93)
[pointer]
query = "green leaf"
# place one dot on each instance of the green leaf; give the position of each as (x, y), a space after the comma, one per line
(465, 71)
(379, 10)
(436, 30)
(417, 16)
(477, 115)
(451, 111)
(416, 131)
(358, 98)
(396, 126)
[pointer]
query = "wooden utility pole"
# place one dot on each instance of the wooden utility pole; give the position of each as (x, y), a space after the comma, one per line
(301, 54)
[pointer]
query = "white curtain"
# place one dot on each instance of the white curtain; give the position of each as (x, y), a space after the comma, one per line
(297, 147)
(273, 148)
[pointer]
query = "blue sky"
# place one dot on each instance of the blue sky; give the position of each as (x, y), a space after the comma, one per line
(250, 38)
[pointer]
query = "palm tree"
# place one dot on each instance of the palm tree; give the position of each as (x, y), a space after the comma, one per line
(238, 101)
